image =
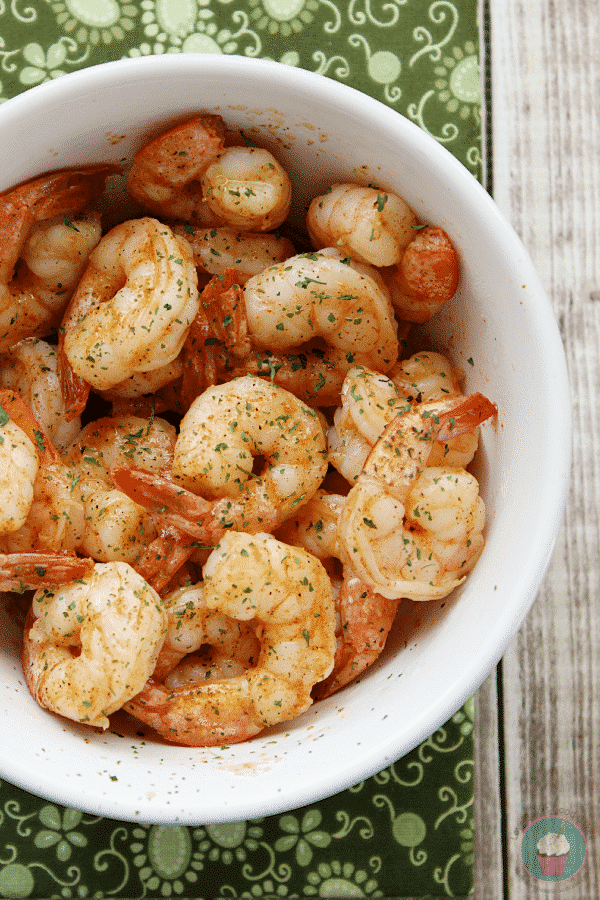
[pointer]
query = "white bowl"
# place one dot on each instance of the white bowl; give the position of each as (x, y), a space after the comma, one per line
(500, 320)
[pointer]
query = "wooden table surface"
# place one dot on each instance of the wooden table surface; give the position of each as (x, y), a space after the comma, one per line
(538, 736)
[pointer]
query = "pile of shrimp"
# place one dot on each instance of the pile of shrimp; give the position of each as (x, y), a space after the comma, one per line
(220, 472)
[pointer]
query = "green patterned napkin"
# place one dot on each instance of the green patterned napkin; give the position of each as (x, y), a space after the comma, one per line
(407, 831)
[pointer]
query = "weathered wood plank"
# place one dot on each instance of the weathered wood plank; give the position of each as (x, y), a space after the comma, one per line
(488, 815)
(546, 123)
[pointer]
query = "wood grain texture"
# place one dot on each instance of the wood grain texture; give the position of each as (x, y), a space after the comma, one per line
(488, 802)
(546, 175)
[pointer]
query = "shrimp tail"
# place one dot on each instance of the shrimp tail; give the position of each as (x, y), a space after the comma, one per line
(17, 410)
(163, 498)
(222, 301)
(472, 411)
(29, 571)
(165, 556)
(74, 389)
(405, 445)
(68, 191)
(366, 618)
(221, 319)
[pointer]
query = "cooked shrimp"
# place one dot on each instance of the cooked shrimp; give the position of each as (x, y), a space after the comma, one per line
(146, 384)
(406, 537)
(426, 277)
(303, 323)
(22, 572)
(225, 642)
(371, 225)
(323, 295)
(131, 311)
(116, 528)
(370, 401)
(189, 174)
(165, 174)
(315, 525)
(90, 645)
(247, 188)
(285, 594)
(215, 664)
(431, 376)
(45, 239)
(229, 424)
(218, 249)
(363, 617)
(220, 434)
(42, 507)
(19, 464)
(420, 263)
(164, 558)
(30, 369)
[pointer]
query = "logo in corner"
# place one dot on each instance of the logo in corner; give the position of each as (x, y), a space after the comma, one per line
(553, 849)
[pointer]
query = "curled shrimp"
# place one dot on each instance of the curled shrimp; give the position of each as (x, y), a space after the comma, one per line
(187, 173)
(365, 620)
(165, 173)
(42, 507)
(230, 424)
(323, 295)
(202, 642)
(419, 262)
(90, 645)
(116, 528)
(427, 375)
(303, 323)
(406, 530)
(46, 235)
(426, 277)
(315, 525)
(30, 368)
(212, 486)
(371, 225)
(246, 187)
(285, 594)
(370, 401)
(219, 348)
(430, 376)
(131, 311)
(363, 616)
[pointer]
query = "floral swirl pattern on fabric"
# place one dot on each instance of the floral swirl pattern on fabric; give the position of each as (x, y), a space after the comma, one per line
(408, 830)
(418, 56)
